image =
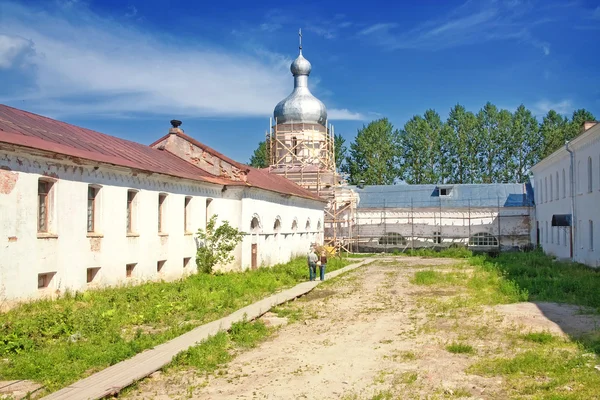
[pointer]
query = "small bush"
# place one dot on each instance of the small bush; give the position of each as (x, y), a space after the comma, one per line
(460, 348)
(539, 337)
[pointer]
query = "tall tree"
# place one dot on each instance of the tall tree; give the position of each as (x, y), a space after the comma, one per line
(577, 120)
(413, 150)
(488, 126)
(464, 145)
(374, 154)
(340, 150)
(554, 132)
(420, 144)
(260, 158)
(523, 146)
(506, 154)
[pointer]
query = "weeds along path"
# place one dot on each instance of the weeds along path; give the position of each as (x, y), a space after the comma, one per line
(406, 328)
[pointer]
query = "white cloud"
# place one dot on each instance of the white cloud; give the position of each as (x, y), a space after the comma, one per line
(344, 114)
(471, 23)
(563, 107)
(13, 49)
(87, 64)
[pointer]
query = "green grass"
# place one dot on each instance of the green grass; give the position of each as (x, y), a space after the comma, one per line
(432, 277)
(542, 366)
(451, 252)
(460, 348)
(539, 337)
(357, 255)
(546, 373)
(548, 280)
(58, 342)
(217, 351)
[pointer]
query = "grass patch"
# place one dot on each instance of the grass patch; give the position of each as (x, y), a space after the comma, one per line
(217, 350)
(344, 254)
(547, 373)
(289, 311)
(460, 348)
(431, 277)
(539, 337)
(546, 279)
(57, 342)
(452, 252)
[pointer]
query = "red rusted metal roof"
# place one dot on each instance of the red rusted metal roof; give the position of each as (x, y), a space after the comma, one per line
(34, 131)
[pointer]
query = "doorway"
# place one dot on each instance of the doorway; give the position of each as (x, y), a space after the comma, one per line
(254, 262)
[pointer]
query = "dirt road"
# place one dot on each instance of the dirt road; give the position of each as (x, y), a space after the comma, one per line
(367, 334)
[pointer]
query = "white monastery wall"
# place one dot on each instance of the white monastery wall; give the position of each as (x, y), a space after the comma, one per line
(553, 195)
(63, 256)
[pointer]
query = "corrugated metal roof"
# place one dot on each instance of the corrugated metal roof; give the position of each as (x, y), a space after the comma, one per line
(460, 195)
(30, 130)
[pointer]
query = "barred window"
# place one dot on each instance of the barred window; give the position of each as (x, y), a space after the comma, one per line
(91, 208)
(483, 239)
(43, 195)
(186, 214)
(131, 194)
(161, 211)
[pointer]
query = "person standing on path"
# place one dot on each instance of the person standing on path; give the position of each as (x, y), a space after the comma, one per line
(323, 265)
(312, 264)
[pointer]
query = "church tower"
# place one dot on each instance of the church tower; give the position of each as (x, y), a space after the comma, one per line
(300, 143)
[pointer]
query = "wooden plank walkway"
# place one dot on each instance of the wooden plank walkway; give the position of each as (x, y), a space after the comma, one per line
(114, 378)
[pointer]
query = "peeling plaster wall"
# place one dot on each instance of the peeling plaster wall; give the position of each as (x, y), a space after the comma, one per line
(201, 158)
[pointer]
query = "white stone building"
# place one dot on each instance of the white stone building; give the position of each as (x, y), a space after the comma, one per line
(567, 197)
(81, 209)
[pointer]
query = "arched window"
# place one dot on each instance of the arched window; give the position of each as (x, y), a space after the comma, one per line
(277, 224)
(207, 213)
(307, 227)
(255, 224)
(295, 225)
(483, 239)
(590, 178)
(564, 184)
(557, 186)
(319, 225)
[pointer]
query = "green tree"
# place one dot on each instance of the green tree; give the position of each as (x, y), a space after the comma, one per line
(260, 158)
(217, 244)
(463, 145)
(506, 154)
(491, 144)
(374, 154)
(577, 120)
(523, 146)
(554, 132)
(340, 150)
(420, 143)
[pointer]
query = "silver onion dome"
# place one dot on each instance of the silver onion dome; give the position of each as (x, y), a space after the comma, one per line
(300, 106)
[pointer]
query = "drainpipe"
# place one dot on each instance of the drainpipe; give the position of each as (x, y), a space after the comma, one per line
(573, 217)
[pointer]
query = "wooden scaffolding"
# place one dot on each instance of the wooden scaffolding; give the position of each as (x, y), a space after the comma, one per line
(305, 154)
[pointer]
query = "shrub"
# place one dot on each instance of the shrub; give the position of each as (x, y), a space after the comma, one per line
(217, 244)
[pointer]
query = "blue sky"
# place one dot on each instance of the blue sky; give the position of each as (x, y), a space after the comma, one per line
(127, 67)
